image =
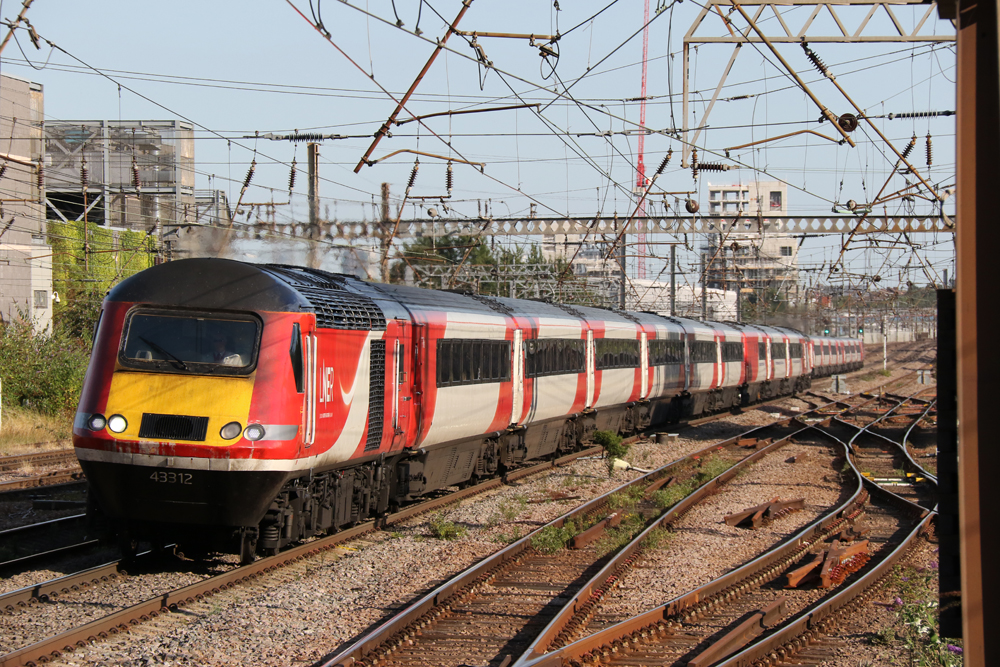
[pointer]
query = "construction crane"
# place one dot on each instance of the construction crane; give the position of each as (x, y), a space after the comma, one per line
(640, 179)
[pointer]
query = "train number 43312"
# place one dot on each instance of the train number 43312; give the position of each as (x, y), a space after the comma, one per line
(171, 477)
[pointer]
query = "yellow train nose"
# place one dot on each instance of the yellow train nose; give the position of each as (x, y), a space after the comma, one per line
(175, 407)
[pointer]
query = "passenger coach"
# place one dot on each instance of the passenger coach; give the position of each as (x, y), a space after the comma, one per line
(238, 406)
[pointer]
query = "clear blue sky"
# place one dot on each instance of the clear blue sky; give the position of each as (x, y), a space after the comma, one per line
(234, 68)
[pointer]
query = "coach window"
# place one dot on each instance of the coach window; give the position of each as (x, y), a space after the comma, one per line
(666, 352)
(465, 361)
(616, 353)
(777, 350)
(732, 351)
(703, 352)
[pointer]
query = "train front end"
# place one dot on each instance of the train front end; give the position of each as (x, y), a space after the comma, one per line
(189, 419)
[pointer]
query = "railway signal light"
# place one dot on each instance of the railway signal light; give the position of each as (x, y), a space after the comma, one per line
(861, 330)
(826, 332)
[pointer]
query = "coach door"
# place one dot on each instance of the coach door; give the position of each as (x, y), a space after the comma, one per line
(589, 365)
(402, 394)
(418, 384)
(644, 365)
(517, 378)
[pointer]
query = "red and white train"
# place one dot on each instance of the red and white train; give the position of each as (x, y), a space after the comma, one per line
(246, 406)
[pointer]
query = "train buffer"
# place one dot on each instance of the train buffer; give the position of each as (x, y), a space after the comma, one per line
(755, 517)
(831, 566)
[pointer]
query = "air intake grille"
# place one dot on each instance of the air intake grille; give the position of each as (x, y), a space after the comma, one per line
(173, 427)
(334, 305)
(343, 310)
(376, 395)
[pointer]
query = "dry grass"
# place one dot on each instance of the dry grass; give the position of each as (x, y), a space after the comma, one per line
(23, 431)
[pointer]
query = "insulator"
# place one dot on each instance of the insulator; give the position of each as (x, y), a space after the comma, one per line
(449, 178)
(306, 137)
(246, 181)
(3, 169)
(694, 163)
(909, 147)
(713, 166)
(815, 60)
(291, 177)
(930, 153)
(41, 177)
(84, 174)
(921, 114)
(413, 176)
(136, 181)
(666, 161)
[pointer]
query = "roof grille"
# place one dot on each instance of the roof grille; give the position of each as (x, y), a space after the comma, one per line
(335, 307)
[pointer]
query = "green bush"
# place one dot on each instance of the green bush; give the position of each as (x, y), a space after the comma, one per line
(445, 530)
(613, 448)
(551, 539)
(42, 371)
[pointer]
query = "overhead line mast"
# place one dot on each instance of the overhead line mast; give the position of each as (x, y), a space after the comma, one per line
(640, 180)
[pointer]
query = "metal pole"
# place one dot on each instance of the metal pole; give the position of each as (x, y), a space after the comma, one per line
(384, 237)
(621, 266)
(704, 290)
(977, 318)
(313, 158)
(313, 182)
(673, 280)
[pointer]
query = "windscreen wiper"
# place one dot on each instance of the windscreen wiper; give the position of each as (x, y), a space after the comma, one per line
(165, 352)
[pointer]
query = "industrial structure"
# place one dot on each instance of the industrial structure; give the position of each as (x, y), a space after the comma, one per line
(25, 264)
(120, 174)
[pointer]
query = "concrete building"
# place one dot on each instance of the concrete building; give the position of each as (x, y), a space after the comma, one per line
(25, 259)
(754, 255)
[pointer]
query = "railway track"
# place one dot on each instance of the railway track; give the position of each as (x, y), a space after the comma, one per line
(492, 613)
(120, 621)
(21, 461)
(714, 621)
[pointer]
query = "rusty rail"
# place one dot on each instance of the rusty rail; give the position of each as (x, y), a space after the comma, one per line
(121, 621)
(702, 598)
(17, 461)
(395, 631)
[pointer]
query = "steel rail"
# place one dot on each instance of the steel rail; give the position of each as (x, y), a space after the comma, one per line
(394, 631)
(55, 478)
(703, 598)
(120, 621)
(17, 461)
(785, 553)
(794, 636)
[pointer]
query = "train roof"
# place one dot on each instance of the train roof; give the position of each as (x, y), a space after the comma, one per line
(210, 283)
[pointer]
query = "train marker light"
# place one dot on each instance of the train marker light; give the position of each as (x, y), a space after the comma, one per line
(96, 422)
(254, 432)
(231, 430)
(117, 423)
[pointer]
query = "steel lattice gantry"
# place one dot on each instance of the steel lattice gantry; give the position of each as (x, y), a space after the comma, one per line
(594, 227)
(789, 29)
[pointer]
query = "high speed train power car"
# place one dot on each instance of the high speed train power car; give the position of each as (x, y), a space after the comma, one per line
(242, 407)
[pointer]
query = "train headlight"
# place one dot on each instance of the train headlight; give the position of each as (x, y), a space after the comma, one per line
(96, 422)
(253, 432)
(231, 430)
(117, 423)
